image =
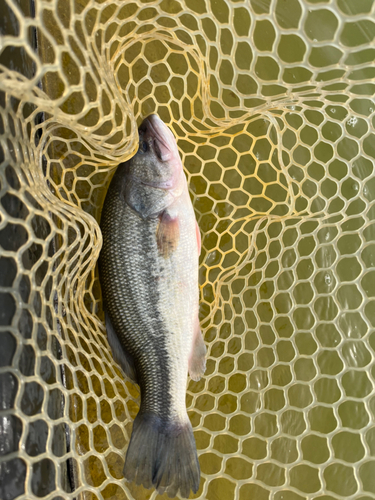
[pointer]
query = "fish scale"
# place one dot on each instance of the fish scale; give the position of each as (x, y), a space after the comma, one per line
(123, 254)
(149, 277)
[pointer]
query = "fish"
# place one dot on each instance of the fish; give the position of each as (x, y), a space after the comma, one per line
(148, 269)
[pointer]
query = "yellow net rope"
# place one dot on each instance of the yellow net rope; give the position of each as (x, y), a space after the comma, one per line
(272, 103)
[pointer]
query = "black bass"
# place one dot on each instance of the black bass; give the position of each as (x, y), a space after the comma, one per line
(149, 277)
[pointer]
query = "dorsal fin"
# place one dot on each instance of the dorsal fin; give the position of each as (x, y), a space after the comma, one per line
(120, 355)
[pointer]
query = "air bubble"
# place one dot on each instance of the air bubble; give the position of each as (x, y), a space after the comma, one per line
(353, 120)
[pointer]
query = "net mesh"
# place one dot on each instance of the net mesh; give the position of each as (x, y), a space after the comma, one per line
(272, 104)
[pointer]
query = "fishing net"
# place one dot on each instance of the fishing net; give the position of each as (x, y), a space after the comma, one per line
(272, 104)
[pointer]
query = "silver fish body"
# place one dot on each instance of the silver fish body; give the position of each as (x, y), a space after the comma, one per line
(149, 277)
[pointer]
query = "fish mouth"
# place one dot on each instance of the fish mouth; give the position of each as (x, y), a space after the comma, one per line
(163, 137)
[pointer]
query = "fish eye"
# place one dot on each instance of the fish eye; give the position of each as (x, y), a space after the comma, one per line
(144, 146)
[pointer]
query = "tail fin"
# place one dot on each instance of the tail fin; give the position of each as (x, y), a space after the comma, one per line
(162, 455)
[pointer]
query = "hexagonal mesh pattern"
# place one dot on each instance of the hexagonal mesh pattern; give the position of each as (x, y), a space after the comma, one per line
(272, 104)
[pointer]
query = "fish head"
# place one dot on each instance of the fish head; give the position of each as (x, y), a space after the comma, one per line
(157, 162)
(153, 179)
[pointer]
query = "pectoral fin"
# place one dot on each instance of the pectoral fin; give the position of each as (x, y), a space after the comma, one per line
(167, 234)
(197, 359)
(119, 354)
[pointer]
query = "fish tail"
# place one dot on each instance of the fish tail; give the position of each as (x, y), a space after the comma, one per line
(162, 455)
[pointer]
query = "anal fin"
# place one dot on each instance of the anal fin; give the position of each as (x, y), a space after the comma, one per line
(119, 354)
(197, 359)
